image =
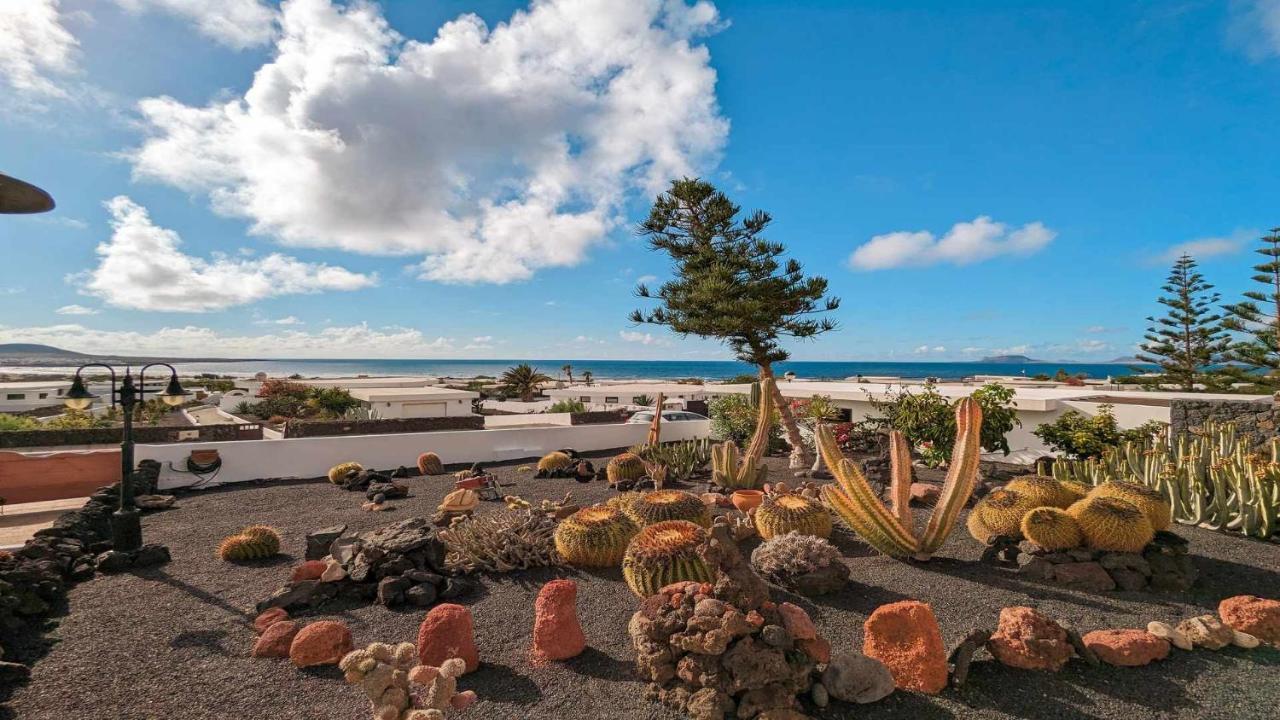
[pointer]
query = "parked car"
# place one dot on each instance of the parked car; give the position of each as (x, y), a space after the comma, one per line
(646, 416)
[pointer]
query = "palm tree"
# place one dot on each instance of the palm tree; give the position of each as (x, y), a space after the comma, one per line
(586, 378)
(523, 380)
(568, 370)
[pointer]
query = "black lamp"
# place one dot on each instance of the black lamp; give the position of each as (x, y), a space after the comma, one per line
(21, 198)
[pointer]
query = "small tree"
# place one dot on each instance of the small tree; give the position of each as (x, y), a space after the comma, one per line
(1257, 317)
(731, 284)
(586, 377)
(523, 380)
(1189, 338)
(567, 369)
(927, 418)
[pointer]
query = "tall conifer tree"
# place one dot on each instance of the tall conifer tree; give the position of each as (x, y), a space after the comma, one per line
(1189, 338)
(1257, 318)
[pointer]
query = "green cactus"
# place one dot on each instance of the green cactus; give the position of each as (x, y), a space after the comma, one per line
(253, 543)
(734, 471)
(665, 553)
(624, 466)
(429, 464)
(595, 536)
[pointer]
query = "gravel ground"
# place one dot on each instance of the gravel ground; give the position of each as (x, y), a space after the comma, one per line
(173, 642)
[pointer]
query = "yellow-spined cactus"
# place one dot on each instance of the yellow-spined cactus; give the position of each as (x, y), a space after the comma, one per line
(341, 470)
(780, 514)
(253, 543)
(665, 553)
(429, 464)
(1001, 512)
(554, 462)
(661, 505)
(624, 466)
(1042, 491)
(1075, 490)
(1052, 529)
(595, 536)
(980, 532)
(1109, 523)
(1152, 503)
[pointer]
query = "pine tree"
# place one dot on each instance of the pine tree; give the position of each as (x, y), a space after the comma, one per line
(732, 284)
(1189, 338)
(1257, 317)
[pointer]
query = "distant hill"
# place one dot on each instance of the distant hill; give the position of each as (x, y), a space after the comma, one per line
(36, 355)
(1130, 360)
(1008, 359)
(33, 350)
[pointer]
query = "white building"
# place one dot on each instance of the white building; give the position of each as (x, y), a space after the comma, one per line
(415, 402)
(29, 395)
(610, 397)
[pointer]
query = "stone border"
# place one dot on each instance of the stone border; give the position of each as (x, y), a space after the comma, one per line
(1163, 565)
(145, 434)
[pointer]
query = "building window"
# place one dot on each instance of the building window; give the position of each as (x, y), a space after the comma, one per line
(15, 396)
(44, 395)
(611, 401)
(584, 398)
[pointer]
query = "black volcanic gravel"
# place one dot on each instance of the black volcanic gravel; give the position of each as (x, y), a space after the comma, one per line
(174, 642)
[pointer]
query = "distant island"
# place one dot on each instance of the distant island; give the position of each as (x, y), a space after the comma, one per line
(1009, 359)
(36, 355)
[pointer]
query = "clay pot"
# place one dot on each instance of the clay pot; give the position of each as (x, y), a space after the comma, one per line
(745, 500)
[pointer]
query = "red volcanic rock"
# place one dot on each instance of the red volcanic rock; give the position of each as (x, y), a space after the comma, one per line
(557, 635)
(1028, 640)
(446, 633)
(797, 622)
(925, 493)
(1126, 647)
(309, 570)
(1257, 616)
(276, 641)
(905, 637)
(320, 643)
(268, 618)
(817, 648)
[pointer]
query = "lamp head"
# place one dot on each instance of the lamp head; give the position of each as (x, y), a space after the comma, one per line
(174, 395)
(78, 397)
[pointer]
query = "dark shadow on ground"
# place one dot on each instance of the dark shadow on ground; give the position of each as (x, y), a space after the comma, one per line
(504, 685)
(595, 663)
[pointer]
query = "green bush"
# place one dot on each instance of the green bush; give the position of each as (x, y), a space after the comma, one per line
(567, 405)
(733, 417)
(16, 423)
(927, 419)
(76, 420)
(1077, 435)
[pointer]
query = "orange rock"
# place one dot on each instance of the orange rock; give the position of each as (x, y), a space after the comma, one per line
(1257, 616)
(309, 570)
(276, 641)
(906, 638)
(797, 622)
(557, 635)
(1126, 647)
(269, 617)
(320, 643)
(817, 648)
(1028, 640)
(446, 633)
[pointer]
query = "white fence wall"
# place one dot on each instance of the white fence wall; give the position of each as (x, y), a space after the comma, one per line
(246, 460)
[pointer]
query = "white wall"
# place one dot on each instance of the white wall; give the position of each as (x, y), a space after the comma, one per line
(443, 407)
(492, 422)
(312, 457)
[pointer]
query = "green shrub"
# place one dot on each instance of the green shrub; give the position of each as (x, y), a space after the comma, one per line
(567, 405)
(76, 420)
(1077, 435)
(16, 423)
(733, 417)
(927, 419)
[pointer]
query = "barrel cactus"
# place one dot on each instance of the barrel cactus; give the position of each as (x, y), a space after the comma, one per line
(1052, 529)
(1001, 512)
(660, 505)
(429, 464)
(780, 514)
(554, 464)
(624, 466)
(595, 536)
(665, 553)
(1042, 491)
(1152, 503)
(1113, 524)
(340, 471)
(253, 543)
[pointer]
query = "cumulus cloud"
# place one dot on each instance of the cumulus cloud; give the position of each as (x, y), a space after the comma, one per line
(637, 337)
(75, 310)
(1255, 27)
(142, 267)
(965, 243)
(36, 49)
(1202, 248)
(287, 320)
(488, 152)
(235, 23)
(928, 349)
(353, 341)
(480, 342)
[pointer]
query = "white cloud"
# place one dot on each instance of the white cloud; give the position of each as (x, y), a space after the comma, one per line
(926, 349)
(965, 243)
(36, 50)
(646, 279)
(490, 152)
(75, 310)
(1255, 27)
(641, 338)
(287, 320)
(235, 23)
(142, 267)
(1207, 247)
(1102, 329)
(480, 342)
(358, 341)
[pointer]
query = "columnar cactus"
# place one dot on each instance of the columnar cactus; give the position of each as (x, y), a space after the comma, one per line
(661, 505)
(732, 471)
(665, 553)
(781, 514)
(891, 531)
(595, 536)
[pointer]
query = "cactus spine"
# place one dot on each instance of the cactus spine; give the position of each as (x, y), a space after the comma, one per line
(1052, 529)
(662, 505)
(253, 543)
(429, 464)
(595, 536)
(624, 466)
(781, 514)
(665, 553)
(1001, 512)
(1154, 505)
(340, 471)
(893, 533)
(734, 471)
(1042, 491)
(1109, 523)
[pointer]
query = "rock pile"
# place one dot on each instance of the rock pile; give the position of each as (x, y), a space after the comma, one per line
(1163, 565)
(402, 563)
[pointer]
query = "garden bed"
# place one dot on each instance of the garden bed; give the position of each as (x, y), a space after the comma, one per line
(174, 640)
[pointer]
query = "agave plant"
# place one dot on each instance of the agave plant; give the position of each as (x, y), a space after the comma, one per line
(683, 459)
(892, 530)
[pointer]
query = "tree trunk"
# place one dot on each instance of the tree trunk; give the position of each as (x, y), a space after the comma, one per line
(800, 458)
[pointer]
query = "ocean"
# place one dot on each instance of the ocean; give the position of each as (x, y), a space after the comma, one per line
(631, 369)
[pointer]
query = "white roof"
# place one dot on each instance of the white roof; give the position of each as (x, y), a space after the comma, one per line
(406, 381)
(410, 394)
(651, 389)
(35, 384)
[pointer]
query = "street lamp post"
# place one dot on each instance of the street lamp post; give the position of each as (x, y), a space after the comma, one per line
(126, 523)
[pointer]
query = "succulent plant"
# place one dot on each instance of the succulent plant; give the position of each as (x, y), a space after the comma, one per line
(1042, 491)
(980, 532)
(595, 536)
(340, 471)
(624, 466)
(1154, 505)
(554, 463)
(783, 558)
(892, 532)
(683, 459)
(429, 464)
(745, 471)
(1113, 524)
(1001, 511)
(253, 543)
(501, 541)
(664, 553)
(1052, 529)
(660, 505)
(387, 673)
(787, 512)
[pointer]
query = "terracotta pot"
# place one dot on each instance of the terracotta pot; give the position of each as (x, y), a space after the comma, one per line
(745, 500)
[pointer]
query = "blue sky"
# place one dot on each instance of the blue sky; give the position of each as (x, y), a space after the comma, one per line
(333, 179)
